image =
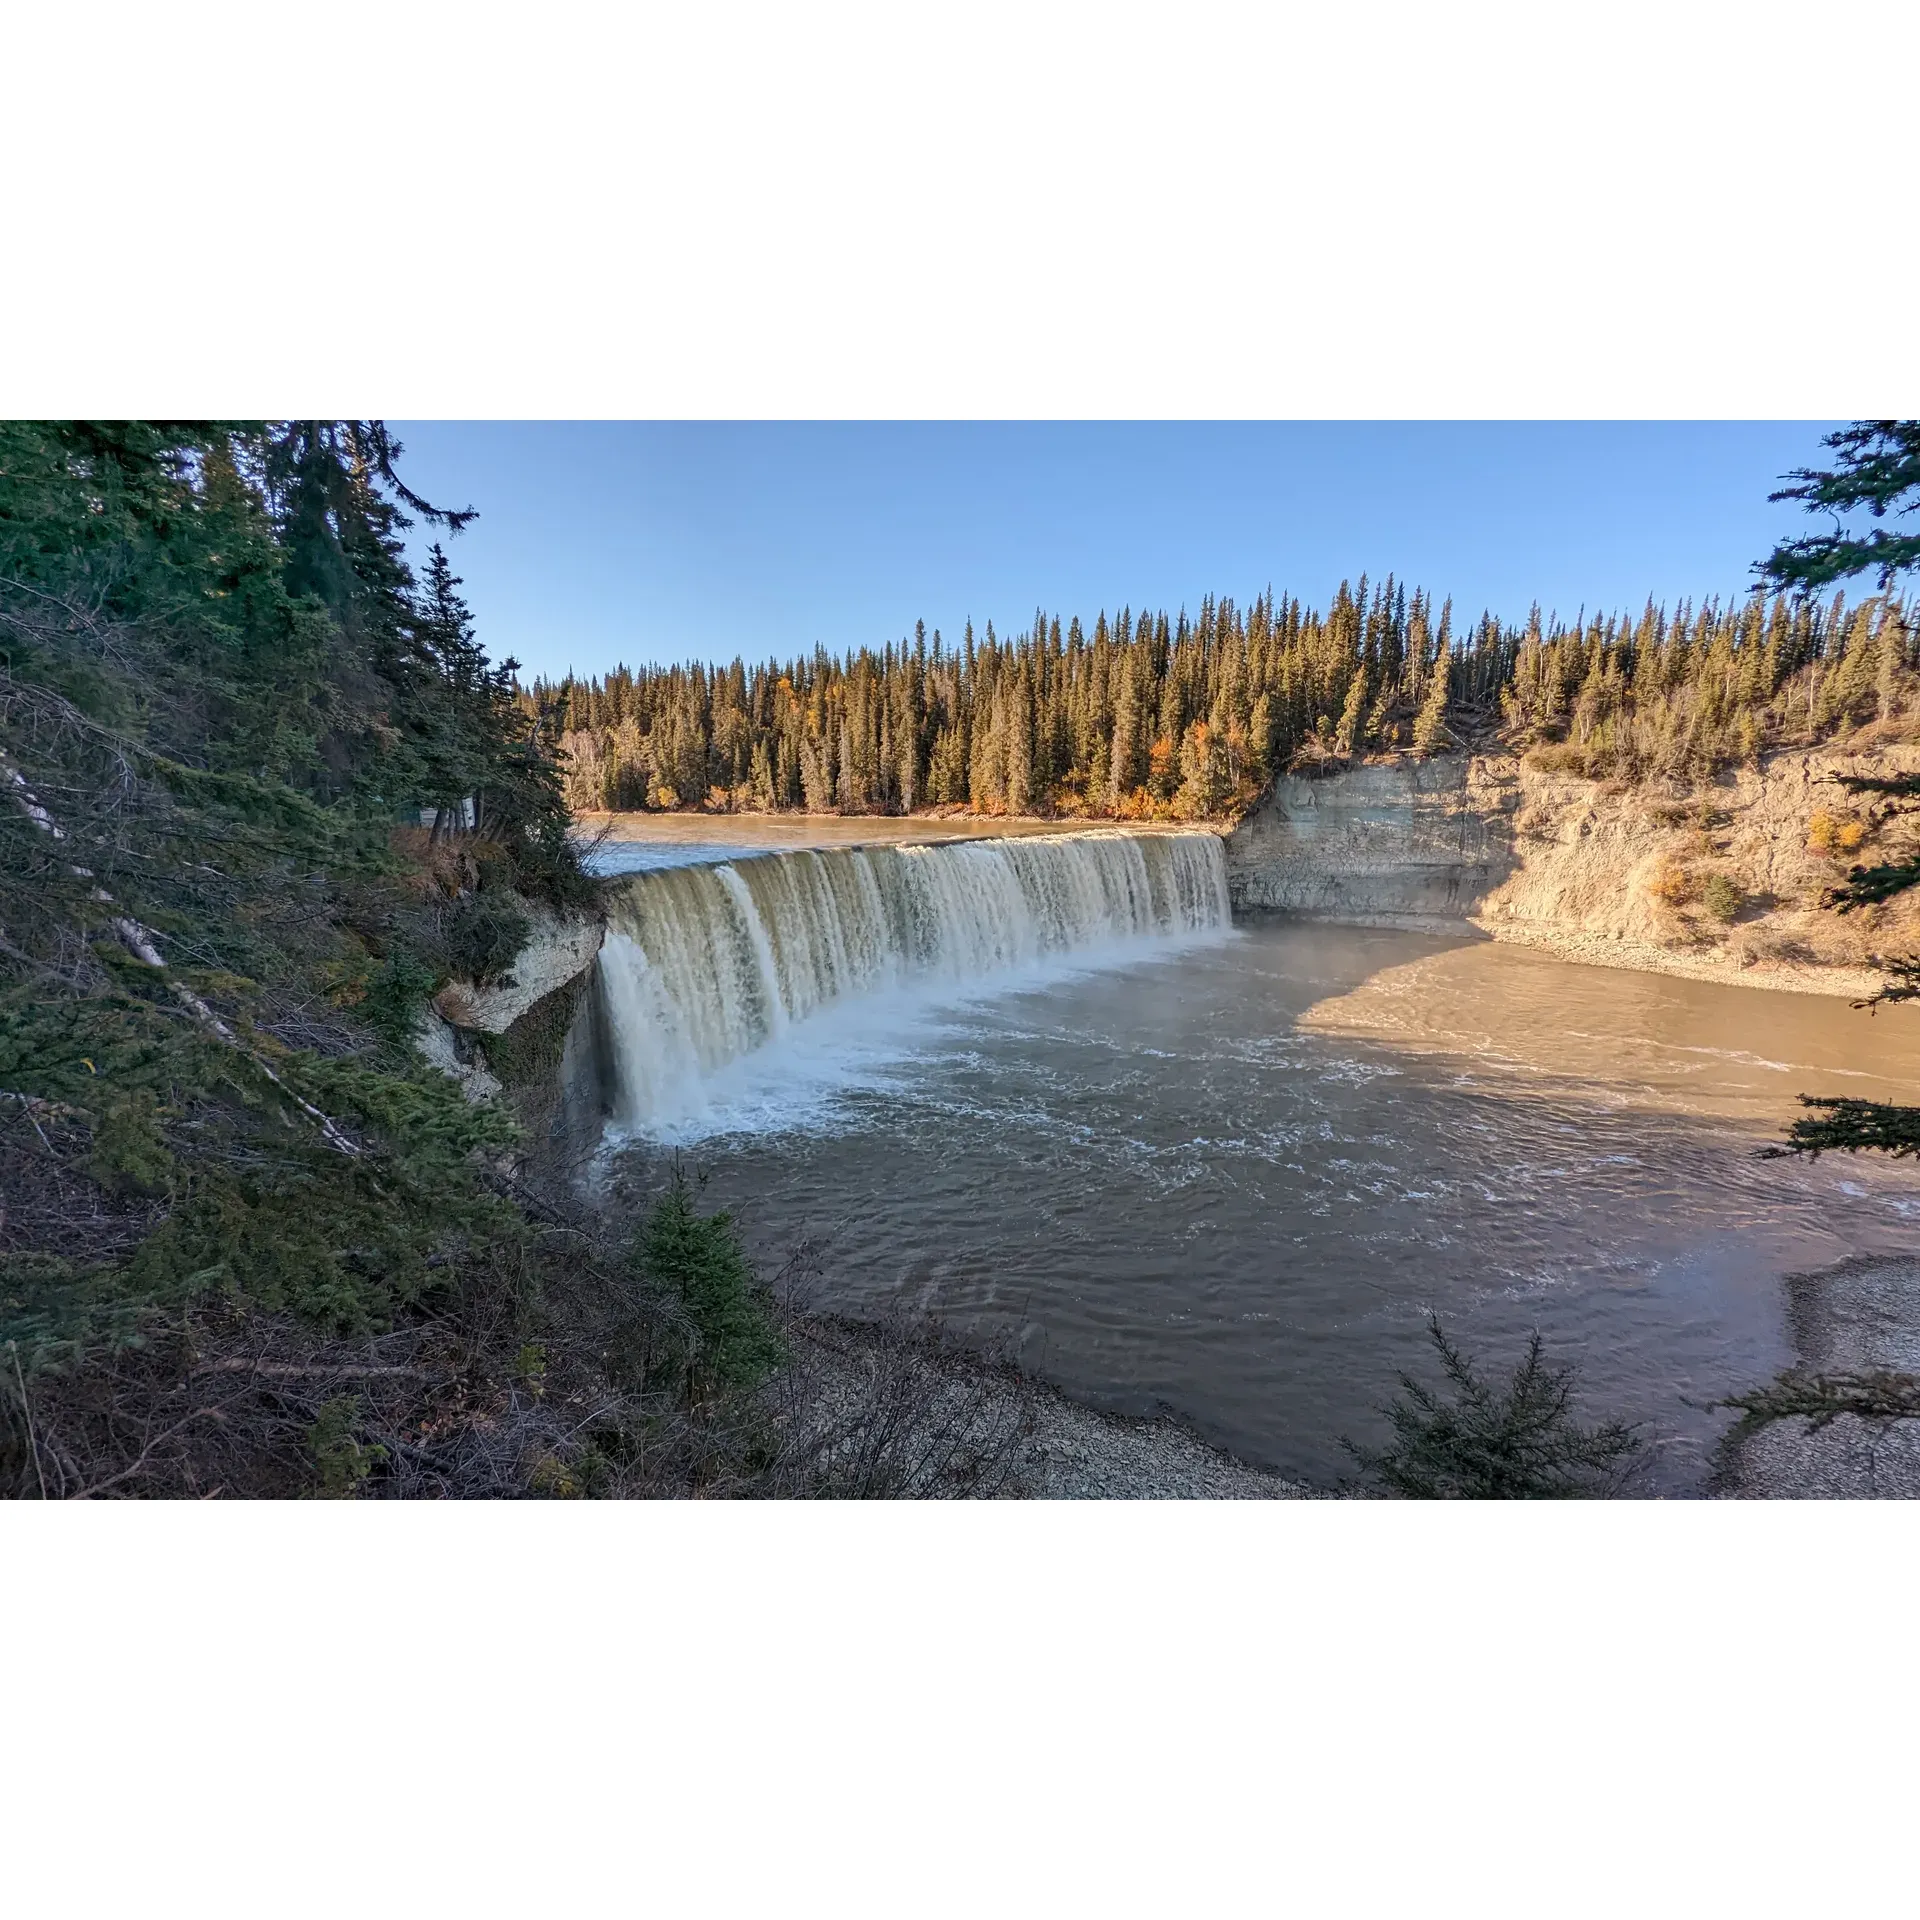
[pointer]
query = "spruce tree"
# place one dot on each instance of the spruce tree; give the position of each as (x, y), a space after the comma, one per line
(1430, 726)
(1102, 725)
(1878, 468)
(1347, 736)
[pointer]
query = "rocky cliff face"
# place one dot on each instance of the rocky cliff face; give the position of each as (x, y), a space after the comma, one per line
(1721, 880)
(1413, 843)
(515, 1031)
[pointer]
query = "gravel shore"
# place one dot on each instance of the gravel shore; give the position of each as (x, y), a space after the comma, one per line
(900, 1409)
(1077, 1453)
(1859, 1317)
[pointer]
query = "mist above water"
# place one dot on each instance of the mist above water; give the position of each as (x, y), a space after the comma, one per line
(730, 988)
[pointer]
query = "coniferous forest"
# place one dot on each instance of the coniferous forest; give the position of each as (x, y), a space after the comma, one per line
(269, 803)
(265, 797)
(1155, 716)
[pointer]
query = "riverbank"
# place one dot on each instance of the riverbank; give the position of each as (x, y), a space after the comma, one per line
(1860, 1318)
(986, 1427)
(1855, 1324)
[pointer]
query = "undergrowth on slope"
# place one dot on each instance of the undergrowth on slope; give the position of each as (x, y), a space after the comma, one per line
(262, 798)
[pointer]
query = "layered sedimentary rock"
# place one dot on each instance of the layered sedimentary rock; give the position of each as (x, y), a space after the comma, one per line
(1414, 843)
(1720, 879)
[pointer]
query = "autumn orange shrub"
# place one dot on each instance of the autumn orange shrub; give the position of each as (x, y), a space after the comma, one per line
(1672, 885)
(1835, 834)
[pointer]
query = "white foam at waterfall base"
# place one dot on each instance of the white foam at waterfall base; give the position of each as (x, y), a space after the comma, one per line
(757, 994)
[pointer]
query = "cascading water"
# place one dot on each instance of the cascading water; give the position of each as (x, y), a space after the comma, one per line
(704, 966)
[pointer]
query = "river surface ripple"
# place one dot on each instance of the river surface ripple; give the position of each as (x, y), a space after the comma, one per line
(1232, 1180)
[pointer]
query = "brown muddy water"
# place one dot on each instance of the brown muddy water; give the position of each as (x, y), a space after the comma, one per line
(1228, 1174)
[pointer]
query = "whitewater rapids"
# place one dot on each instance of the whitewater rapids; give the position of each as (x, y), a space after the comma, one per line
(706, 967)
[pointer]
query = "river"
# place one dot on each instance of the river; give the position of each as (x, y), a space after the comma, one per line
(1225, 1170)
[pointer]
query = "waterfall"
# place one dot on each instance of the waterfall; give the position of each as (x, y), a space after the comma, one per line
(706, 965)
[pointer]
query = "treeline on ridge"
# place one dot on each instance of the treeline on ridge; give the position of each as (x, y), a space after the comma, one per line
(1152, 715)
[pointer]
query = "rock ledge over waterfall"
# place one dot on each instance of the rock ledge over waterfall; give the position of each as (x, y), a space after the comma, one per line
(469, 1032)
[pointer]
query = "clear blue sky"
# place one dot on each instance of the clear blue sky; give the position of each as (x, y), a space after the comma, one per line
(601, 542)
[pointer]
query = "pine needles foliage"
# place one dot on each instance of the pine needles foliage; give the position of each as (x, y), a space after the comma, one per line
(1852, 1126)
(730, 1336)
(1822, 1398)
(1877, 468)
(223, 699)
(1474, 1440)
